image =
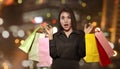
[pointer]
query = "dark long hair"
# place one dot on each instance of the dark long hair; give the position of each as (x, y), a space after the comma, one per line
(73, 20)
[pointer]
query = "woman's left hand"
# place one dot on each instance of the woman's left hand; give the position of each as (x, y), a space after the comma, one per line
(88, 29)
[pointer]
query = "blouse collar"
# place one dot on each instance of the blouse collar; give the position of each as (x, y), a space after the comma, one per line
(73, 32)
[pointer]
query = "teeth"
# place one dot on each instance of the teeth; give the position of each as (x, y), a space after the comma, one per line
(65, 24)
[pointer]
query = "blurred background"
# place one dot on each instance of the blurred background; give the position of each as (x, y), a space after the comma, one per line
(18, 19)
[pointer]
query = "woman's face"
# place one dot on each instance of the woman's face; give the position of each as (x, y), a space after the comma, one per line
(65, 20)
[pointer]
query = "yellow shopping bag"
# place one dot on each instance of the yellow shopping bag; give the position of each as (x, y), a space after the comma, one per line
(92, 54)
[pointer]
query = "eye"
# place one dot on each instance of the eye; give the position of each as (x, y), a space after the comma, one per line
(62, 17)
(69, 17)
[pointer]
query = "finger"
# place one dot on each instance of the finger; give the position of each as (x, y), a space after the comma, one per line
(47, 30)
(46, 27)
(90, 28)
(49, 26)
(89, 23)
(85, 26)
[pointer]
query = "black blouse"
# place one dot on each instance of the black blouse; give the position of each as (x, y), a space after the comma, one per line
(73, 48)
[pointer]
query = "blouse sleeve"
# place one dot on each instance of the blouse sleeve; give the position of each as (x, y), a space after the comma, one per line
(53, 49)
(82, 49)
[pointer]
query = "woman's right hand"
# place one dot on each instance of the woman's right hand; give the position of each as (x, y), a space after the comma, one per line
(49, 31)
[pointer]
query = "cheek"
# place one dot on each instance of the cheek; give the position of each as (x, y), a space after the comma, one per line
(69, 20)
(61, 22)
(70, 24)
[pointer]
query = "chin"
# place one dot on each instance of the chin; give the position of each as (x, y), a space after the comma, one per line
(66, 29)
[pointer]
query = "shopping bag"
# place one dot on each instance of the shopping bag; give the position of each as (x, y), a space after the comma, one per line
(34, 53)
(104, 43)
(44, 57)
(92, 54)
(104, 58)
(25, 47)
(27, 44)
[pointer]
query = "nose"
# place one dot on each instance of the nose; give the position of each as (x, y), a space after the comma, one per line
(66, 20)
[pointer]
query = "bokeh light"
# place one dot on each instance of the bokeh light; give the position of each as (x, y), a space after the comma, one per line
(111, 45)
(20, 1)
(17, 41)
(8, 2)
(55, 29)
(1, 1)
(97, 29)
(21, 33)
(84, 4)
(25, 63)
(22, 41)
(5, 66)
(13, 28)
(111, 29)
(115, 53)
(54, 21)
(94, 23)
(88, 17)
(48, 15)
(63, 1)
(1, 21)
(5, 34)
(38, 19)
(119, 40)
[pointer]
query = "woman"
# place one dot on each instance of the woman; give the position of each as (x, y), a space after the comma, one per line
(67, 46)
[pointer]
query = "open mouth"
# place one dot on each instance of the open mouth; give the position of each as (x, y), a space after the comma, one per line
(65, 24)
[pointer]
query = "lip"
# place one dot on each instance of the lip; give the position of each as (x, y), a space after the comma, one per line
(65, 24)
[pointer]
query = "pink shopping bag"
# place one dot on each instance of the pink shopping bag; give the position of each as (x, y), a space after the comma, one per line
(44, 57)
(104, 59)
(104, 43)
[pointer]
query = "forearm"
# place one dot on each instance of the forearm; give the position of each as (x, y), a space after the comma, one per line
(50, 37)
(53, 50)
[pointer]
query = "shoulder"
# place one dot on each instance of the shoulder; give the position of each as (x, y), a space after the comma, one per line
(56, 34)
(80, 32)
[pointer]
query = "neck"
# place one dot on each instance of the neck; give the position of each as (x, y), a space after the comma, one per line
(68, 32)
